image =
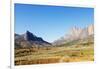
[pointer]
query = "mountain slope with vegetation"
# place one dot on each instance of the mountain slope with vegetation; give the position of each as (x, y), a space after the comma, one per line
(30, 49)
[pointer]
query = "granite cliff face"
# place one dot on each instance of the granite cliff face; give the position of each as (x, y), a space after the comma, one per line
(90, 29)
(76, 34)
(28, 40)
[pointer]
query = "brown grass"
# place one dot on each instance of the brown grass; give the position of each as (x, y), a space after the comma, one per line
(53, 55)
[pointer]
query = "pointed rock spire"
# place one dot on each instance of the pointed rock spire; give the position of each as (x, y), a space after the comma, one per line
(29, 36)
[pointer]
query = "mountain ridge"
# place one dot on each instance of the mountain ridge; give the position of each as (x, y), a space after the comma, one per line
(28, 40)
(75, 34)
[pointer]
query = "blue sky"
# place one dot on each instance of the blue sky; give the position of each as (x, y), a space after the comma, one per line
(50, 22)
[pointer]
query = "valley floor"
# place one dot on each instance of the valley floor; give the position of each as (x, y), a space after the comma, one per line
(55, 54)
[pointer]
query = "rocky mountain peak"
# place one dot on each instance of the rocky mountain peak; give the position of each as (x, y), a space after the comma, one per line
(91, 29)
(28, 40)
(76, 33)
(29, 36)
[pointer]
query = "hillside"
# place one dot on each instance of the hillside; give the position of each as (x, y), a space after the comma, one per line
(76, 47)
(28, 40)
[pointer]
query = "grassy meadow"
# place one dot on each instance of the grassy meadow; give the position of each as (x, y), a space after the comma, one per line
(56, 54)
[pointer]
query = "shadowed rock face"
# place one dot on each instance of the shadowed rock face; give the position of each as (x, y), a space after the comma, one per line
(29, 40)
(30, 37)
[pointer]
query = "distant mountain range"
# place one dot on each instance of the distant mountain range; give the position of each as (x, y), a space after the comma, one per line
(76, 34)
(28, 40)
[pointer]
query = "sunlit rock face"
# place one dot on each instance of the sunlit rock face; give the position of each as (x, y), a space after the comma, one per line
(91, 29)
(76, 33)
